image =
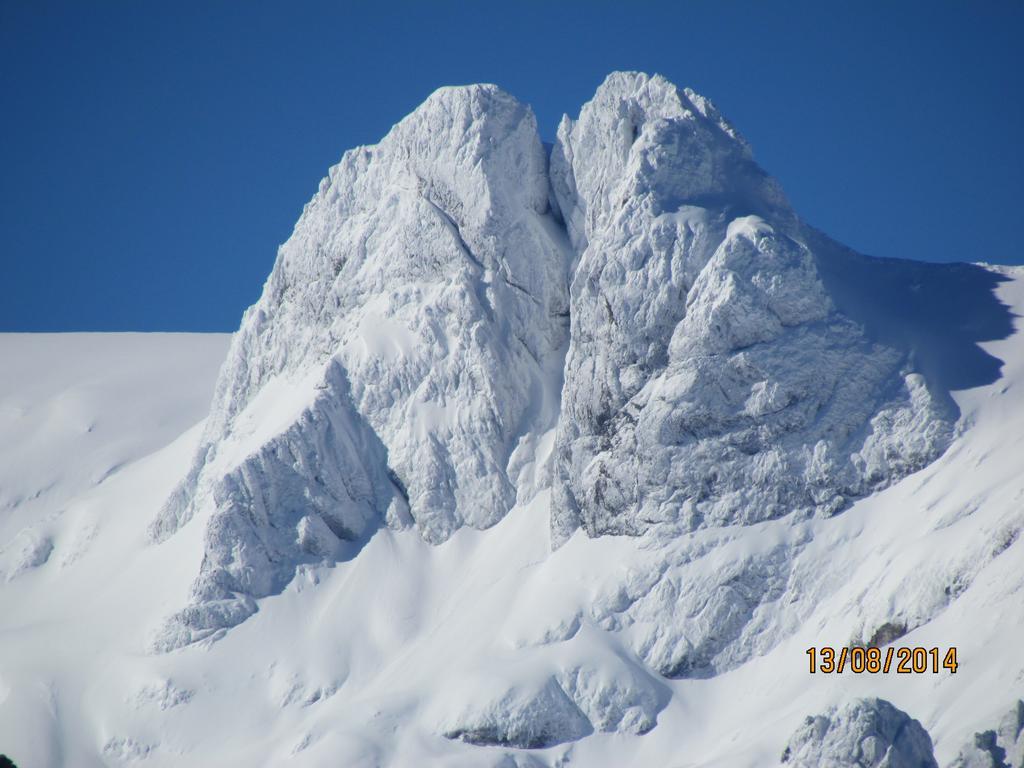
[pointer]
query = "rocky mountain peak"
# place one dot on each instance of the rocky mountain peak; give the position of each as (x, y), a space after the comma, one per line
(449, 297)
(711, 378)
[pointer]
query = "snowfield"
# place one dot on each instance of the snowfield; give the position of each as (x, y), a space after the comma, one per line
(569, 471)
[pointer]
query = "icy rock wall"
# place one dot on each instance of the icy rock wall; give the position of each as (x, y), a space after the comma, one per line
(413, 310)
(865, 733)
(710, 379)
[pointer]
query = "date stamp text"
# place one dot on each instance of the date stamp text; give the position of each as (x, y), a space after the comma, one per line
(902, 661)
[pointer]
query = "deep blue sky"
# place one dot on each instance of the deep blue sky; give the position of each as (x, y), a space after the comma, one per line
(153, 155)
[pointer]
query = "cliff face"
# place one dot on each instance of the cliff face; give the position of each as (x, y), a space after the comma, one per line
(711, 379)
(864, 733)
(406, 344)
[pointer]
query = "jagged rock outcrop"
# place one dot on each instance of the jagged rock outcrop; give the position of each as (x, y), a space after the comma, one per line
(687, 621)
(399, 354)
(526, 717)
(711, 379)
(865, 733)
(1011, 734)
(613, 696)
(606, 695)
(1001, 748)
(982, 752)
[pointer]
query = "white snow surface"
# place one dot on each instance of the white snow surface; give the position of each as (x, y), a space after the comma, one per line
(370, 661)
(359, 566)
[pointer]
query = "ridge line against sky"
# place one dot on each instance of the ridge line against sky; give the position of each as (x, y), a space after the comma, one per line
(155, 155)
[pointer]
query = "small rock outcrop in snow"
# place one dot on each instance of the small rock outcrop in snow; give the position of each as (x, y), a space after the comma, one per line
(983, 752)
(1001, 748)
(126, 750)
(522, 717)
(719, 615)
(164, 695)
(866, 733)
(614, 697)
(28, 550)
(1011, 735)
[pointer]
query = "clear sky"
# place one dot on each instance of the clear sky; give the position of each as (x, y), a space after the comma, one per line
(154, 154)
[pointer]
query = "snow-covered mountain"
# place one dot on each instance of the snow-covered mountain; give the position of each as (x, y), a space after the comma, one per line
(528, 456)
(406, 343)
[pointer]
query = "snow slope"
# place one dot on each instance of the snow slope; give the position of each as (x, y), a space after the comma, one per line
(75, 409)
(368, 662)
(369, 507)
(95, 428)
